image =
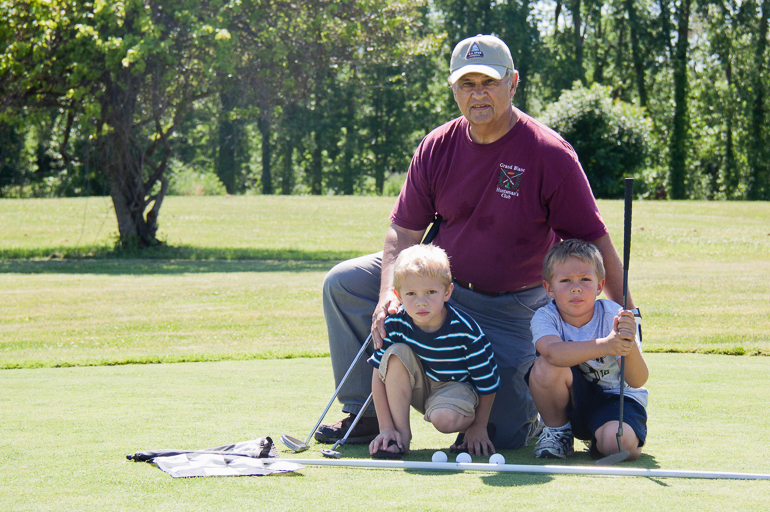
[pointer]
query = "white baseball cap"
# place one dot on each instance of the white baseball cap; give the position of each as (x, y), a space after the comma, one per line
(480, 54)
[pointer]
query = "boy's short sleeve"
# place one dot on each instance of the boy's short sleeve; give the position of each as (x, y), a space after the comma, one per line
(545, 322)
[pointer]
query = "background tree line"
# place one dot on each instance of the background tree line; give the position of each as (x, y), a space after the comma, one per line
(141, 98)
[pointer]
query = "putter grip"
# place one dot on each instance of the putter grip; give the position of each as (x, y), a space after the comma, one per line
(629, 198)
(431, 234)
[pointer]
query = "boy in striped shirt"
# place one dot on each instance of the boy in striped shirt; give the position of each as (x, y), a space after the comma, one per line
(443, 365)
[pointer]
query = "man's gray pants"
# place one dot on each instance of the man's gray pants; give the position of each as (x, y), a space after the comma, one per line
(350, 293)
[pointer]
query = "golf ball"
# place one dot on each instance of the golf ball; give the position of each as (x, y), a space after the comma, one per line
(463, 457)
(497, 459)
(439, 457)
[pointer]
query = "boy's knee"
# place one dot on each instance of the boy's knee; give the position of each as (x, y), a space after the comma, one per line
(607, 441)
(545, 373)
(448, 421)
(393, 366)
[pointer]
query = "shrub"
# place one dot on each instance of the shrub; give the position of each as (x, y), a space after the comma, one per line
(185, 181)
(611, 137)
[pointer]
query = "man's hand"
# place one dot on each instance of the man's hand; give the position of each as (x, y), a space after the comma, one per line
(388, 305)
(396, 240)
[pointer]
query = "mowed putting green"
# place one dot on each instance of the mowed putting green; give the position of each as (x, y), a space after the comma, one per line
(235, 301)
(66, 431)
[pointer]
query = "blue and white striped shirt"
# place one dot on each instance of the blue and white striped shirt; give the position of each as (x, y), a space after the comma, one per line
(458, 351)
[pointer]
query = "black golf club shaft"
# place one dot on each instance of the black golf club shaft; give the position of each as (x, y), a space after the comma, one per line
(629, 198)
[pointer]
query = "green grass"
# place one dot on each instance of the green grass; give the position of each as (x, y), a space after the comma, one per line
(239, 227)
(93, 312)
(241, 278)
(235, 298)
(65, 434)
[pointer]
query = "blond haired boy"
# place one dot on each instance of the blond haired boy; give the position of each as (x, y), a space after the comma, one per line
(434, 358)
(575, 380)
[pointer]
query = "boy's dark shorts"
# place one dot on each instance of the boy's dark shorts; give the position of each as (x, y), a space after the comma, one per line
(593, 407)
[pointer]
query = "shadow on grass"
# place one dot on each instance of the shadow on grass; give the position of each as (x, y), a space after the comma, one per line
(162, 267)
(202, 358)
(169, 252)
(521, 456)
(580, 460)
(502, 479)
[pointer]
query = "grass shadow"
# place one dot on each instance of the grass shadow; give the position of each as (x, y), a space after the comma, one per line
(161, 267)
(581, 459)
(501, 479)
(515, 479)
(172, 252)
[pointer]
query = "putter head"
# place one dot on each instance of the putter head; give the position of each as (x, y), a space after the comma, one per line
(294, 444)
(331, 454)
(615, 458)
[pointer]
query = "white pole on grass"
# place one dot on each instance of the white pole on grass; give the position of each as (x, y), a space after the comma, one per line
(522, 468)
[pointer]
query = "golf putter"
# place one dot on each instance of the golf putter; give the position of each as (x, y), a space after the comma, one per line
(622, 454)
(298, 446)
(330, 452)
(433, 231)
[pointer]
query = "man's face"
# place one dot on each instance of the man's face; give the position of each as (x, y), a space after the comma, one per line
(483, 100)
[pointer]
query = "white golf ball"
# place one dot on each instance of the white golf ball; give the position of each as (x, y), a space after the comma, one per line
(463, 457)
(497, 459)
(439, 457)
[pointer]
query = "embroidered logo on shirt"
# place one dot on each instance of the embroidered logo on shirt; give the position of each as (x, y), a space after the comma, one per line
(509, 181)
(474, 52)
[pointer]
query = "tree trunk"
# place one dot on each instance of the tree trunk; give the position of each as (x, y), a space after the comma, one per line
(520, 36)
(757, 152)
(287, 176)
(348, 178)
(636, 54)
(290, 128)
(731, 178)
(11, 148)
(263, 124)
(125, 160)
(227, 163)
(665, 25)
(577, 23)
(678, 163)
(598, 58)
(379, 160)
(316, 165)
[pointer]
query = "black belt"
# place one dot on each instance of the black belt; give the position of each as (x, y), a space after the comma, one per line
(474, 288)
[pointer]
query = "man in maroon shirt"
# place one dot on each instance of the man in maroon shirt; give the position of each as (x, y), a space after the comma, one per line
(508, 188)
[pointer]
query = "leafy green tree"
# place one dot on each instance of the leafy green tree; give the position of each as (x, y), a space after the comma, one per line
(125, 72)
(719, 128)
(611, 137)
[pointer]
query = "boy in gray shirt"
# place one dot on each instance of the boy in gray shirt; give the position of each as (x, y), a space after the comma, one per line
(575, 380)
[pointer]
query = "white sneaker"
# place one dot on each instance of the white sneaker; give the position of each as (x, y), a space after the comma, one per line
(554, 444)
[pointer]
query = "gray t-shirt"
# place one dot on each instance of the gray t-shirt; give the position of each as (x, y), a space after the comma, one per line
(604, 371)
